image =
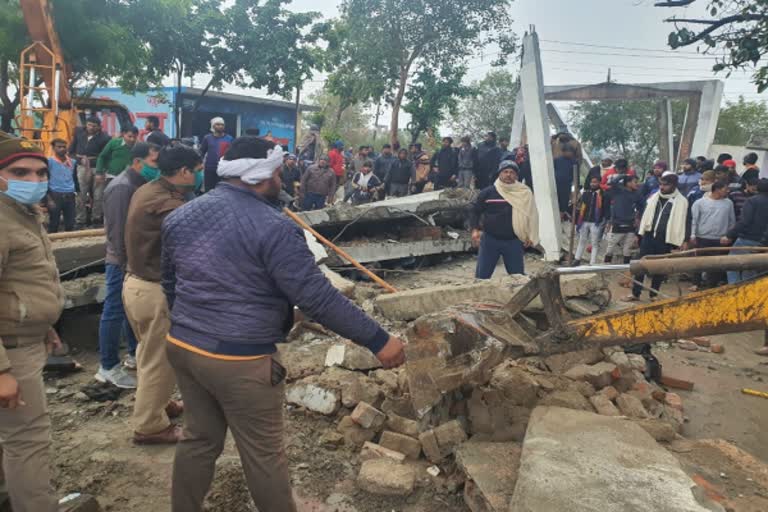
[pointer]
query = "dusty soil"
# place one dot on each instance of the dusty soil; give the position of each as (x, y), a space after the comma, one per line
(94, 454)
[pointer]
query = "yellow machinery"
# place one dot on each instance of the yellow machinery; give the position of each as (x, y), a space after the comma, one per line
(48, 109)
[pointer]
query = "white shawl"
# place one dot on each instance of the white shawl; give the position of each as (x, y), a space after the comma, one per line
(677, 218)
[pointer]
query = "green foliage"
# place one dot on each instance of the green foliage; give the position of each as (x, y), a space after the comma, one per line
(491, 108)
(387, 39)
(736, 31)
(432, 96)
(741, 120)
(623, 128)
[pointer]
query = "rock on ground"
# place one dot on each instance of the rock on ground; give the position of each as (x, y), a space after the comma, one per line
(584, 462)
(386, 476)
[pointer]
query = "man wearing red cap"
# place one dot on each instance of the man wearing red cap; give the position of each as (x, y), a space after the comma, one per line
(31, 300)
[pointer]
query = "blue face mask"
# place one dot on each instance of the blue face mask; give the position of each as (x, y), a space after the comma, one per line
(150, 173)
(26, 192)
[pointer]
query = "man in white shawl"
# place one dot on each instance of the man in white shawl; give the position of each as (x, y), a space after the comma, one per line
(504, 222)
(662, 228)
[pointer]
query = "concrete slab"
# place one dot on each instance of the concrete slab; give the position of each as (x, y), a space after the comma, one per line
(394, 250)
(72, 253)
(491, 471)
(422, 205)
(583, 462)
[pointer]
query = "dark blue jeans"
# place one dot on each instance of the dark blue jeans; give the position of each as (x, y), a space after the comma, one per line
(61, 203)
(491, 249)
(650, 245)
(313, 201)
(113, 322)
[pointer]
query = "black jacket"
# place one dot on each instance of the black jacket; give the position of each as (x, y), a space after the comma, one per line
(563, 181)
(488, 160)
(81, 145)
(493, 214)
(382, 165)
(159, 138)
(400, 173)
(754, 219)
(447, 162)
(626, 205)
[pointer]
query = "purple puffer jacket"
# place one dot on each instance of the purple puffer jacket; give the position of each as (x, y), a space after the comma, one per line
(234, 266)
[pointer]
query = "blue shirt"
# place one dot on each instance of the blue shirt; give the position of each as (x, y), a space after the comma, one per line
(60, 178)
(213, 148)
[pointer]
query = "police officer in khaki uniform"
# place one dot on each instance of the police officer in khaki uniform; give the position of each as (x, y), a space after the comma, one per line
(31, 301)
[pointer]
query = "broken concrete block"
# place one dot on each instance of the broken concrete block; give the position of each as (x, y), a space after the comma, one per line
(387, 378)
(331, 439)
(621, 360)
(344, 285)
(568, 399)
(583, 462)
(402, 425)
(658, 429)
(395, 250)
(603, 405)
(368, 416)
(354, 435)
(375, 451)
(561, 363)
(447, 350)
(582, 307)
(673, 416)
(492, 418)
(386, 476)
(637, 361)
(517, 385)
(400, 405)
(599, 374)
(491, 474)
(449, 436)
(428, 442)
(360, 388)
(311, 394)
(631, 406)
(411, 304)
(400, 443)
(352, 357)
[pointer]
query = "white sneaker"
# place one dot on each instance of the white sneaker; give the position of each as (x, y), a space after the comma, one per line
(116, 376)
(129, 362)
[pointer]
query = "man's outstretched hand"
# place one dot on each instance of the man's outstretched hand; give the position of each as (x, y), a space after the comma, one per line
(393, 353)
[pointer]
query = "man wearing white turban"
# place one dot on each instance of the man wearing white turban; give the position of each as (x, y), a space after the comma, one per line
(234, 267)
(213, 147)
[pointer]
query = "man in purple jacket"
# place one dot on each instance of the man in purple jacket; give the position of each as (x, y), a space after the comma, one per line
(233, 269)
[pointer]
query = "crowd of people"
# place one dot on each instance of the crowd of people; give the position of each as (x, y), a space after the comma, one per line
(705, 204)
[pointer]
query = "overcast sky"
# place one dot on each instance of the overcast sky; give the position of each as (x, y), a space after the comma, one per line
(580, 40)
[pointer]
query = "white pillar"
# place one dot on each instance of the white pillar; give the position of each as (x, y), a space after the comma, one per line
(709, 114)
(518, 121)
(542, 166)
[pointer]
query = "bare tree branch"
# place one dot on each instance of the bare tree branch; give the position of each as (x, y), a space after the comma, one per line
(738, 18)
(714, 25)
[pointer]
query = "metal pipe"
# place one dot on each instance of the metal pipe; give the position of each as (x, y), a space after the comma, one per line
(590, 269)
(738, 262)
(56, 82)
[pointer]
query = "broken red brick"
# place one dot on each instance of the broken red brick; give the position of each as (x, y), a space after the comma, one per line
(676, 383)
(673, 400)
(716, 348)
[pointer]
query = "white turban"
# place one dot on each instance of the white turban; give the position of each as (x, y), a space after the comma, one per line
(252, 170)
(217, 120)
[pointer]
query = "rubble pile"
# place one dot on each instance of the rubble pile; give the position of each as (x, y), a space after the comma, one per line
(457, 416)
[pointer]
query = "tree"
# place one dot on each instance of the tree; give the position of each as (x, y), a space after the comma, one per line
(334, 122)
(433, 96)
(736, 28)
(740, 121)
(491, 108)
(401, 36)
(623, 128)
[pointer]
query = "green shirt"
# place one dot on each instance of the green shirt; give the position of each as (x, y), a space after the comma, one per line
(114, 158)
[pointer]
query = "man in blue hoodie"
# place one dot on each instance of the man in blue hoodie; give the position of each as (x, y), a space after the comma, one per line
(233, 269)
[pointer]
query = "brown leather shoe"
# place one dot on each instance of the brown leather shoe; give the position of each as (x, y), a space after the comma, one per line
(171, 435)
(174, 409)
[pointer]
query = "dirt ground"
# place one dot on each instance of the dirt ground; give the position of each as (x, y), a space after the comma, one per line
(94, 454)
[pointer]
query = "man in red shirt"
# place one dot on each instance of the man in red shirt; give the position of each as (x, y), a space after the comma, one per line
(336, 157)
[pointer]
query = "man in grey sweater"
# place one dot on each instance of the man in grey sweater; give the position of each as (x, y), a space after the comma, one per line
(113, 323)
(712, 217)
